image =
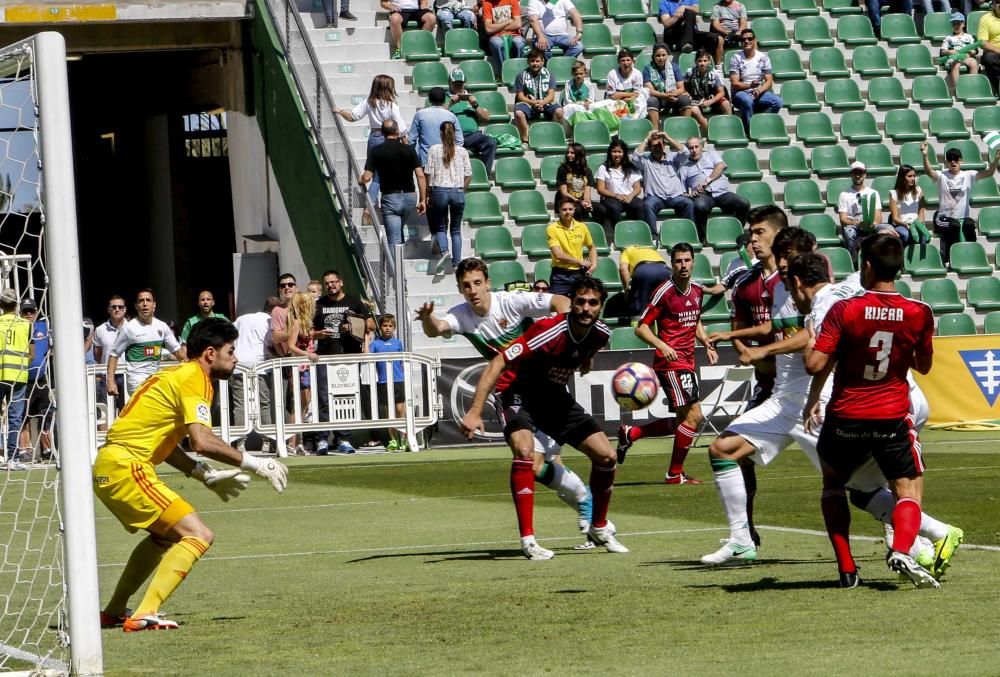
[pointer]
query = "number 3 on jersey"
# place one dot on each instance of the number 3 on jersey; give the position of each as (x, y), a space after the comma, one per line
(882, 341)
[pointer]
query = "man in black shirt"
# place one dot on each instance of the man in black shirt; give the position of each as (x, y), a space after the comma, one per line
(396, 162)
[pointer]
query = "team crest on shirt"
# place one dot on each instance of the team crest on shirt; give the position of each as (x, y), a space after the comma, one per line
(203, 414)
(503, 322)
(513, 351)
(984, 365)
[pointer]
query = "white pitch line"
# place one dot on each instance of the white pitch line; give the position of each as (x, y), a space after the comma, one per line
(18, 654)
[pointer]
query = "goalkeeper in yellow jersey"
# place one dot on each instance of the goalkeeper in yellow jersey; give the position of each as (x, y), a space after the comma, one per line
(171, 405)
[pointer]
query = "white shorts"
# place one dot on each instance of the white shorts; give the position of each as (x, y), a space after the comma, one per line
(772, 426)
(919, 407)
(546, 446)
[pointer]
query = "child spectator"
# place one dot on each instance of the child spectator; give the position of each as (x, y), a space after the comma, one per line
(386, 342)
(705, 87)
(578, 94)
(625, 84)
(952, 44)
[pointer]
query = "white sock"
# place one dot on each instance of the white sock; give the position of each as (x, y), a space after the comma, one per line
(931, 528)
(733, 493)
(881, 505)
(567, 485)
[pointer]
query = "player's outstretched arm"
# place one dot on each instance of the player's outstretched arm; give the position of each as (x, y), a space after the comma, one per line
(204, 442)
(432, 326)
(473, 419)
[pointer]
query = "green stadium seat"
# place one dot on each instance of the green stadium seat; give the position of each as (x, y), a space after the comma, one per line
(796, 8)
(596, 40)
(624, 338)
(726, 260)
(984, 192)
(642, 60)
(549, 170)
(632, 233)
(882, 185)
(494, 243)
(931, 90)
(948, 123)
(769, 129)
(770, 32)
(856, 30)
(789, 162)
(969, 258)
(859, 126)
(505, 272)
(823, 227)
(810, 31)
(909, 154)
(419, 46)
(727, 58)
(483, 209)
(495, 104)
(726, 131)
(542, 270)
(814, 129)
(757, 192)
(722, 232)
(989, 222)
(547, 137)
(759, 8)
(983, 293)
(600, 66)
(843, 94)
(599, 238)
(685, 61)
(607, 272)
(972, 157)
(899, 29)
(986, 119)
(702, 272)
(673, 231)
(786, 65)
(903, 287)
(479, 76)
(972, 24)
(528, 206)
(828, 62)
(829, 161)
(915, 60)
(634, 132)
(937, 25)
(534, 242)
(802, 195)
(595, 160)
(636, 37)
(714, 308)
(923, 260)
(741, 163)
(876, 158)
(904, 125)
(870, 61)
(590, 11)
(512, 173)
(887, 92)
(480, 179)
(840, 261)
(840, 7)
(681, 128)
(799, 96)
(834, 187)
(941, 295)
(956, 324)
(974, 90)
(462, 43)
(498, 128)
(930, 189)
(429, 74)
(991, 323)
(561, 68)
(510, 70)
(593, 135)
(623, 11)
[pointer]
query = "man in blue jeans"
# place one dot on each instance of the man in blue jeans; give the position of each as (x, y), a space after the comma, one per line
(660, 179)
(556, 23)
(396, 163)
(750, 77)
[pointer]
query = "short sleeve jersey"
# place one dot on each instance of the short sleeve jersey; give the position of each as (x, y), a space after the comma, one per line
(391, 345)
(873, 337)
(989, 29)
(547, 354)
(791, 378)
(956, 42)
(678, 314)
(953, 193)
(571, 240)
(510, 315)
(155, 419)
(849, 201)
(279, 322)
(753, 296)
(619, 83)
(501, 12)
(329, 315)
(750, 69)
(729, 15)
(142, 347)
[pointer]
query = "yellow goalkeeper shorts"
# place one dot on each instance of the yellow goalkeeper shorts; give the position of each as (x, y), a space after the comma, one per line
(134, 494)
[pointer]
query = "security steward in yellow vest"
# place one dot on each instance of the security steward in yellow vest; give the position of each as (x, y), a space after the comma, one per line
(15, 355)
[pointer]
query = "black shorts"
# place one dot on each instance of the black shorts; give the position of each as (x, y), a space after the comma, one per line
(551, 410)
(680, 387)
(39, 400)
(412, 15)
(397, 392)
(845, 444)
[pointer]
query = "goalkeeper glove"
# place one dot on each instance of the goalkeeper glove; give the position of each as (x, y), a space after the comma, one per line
(273, 471)
(225, 483)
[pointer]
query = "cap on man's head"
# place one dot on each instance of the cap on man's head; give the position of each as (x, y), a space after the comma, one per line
(28, 304)
(8, 296)
(457, 75)
(858, 166)
(956, 17)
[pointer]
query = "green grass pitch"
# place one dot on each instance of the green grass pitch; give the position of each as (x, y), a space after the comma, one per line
(408, 564)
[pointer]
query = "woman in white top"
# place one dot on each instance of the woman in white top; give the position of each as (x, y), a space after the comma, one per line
(449, 173)
(619, 184)
(907, 207)
(379, 106)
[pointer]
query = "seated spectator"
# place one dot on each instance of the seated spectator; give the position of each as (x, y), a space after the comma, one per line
(625, 84)
(450, 11)
(958, 39)
(641, 270)
(873, 8)
(680, 28)
(661, 183)
(708, 94)
(665, 91)
(470, 115)
(403, 11)
(502, 21)
(540, 286)
(555, 23)
(566, 239)
(989, 34)
(729, 20)
(907, 207)
(535, 94)
(702, 173)
(860, 210)
(619, 184)
(573, 183)
(578, 94)
(750, 77)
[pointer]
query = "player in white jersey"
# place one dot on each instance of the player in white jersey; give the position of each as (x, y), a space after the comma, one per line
(141, 342)
(491, 321)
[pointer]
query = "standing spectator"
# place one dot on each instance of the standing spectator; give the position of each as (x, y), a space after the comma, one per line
(377, 108)
(253, 346)
(449, 174)
(426, 128)
(386, 342)
(989, 33)
(301, 312)
(16, 352)
(578, 94)
(470, 114)
(556, 23)
(104, 341)
(279, 314)
(859, 209)
(573, 183)
(705, 87)
(873, 8)
(952, 221)
(396, 162)
(665, 89)
(206, 309)
(625, 84)
(907, 207)
(702, 173)
(619, 184)
(535, 94)
(958, 39)
(141, 342)
(502, 20)
(345, 12)
(450, 11)
(750, 77)
(39, 397)
(315, 287)
(680, 27)
(729, 20)
(566, 239)
(661, 182)
(403, 11)
(641, 270)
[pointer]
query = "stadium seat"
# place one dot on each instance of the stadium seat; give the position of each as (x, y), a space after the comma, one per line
(510, 70)
(599, 238)
(859, 126)
(840, 7)
(915, 60)
(969, 258)
(789, 162)
(593, 135)
(512, 173)
(590, 11)
(882, 185)
(673, 231)
(702, 272)
(974, 90)
(722, 232)
(870, 61)
(505, 272)
(561, 68)
(941, 295)
(909, 154)
(483, 209)
(956, 324)
(877, 160)
(636, 37)
(685, 61)
(542, 270)
(726, 131)
(429, 74)
(811, 31)
(498, 128)
(623, 11)
(843, 94)
(802, 195)
(741, 163)
(983, 293)
(829, 161)
(931, 90)
(923, 260)
(759, 8)
(549, 169)
(595, 160)
(989, 222)
(937, 25)
(903, 287)
(480, 179)
(828, 62)
(887, 92)
(757, 192)
(786, 65)
(681, 128)
(797, 8)
(899, 29)
(600, 66)
(855, 30)
(624, 338)
(984, 192)
(947, 123)
(930, 189)
(494, 243)
(834, 187)
(991, 323)
(597, 40)
(714, 308)
(972, 25)
(629, 233)
(986, 119)
(534, 242)
(495, 104)
(419, 46)
(768, 128)
(840, 260)
(814, 129)
(634, 132)
(799, 96)
(462, 43)
(823, 227)
(607, 272)
(971, 156)
(727, 59)
(770, 32)
(528, 206)
(479, 76)
(547, 137)
(726, 260)
(904, 125)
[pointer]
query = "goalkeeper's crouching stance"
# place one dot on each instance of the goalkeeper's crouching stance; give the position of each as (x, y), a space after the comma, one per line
(168, 407)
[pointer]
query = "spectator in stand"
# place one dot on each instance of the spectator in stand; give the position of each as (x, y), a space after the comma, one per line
(859, 209)
(556, 23)
(386, 342)
(377, 108)
(619, 184)
(873, 8)
(641, 270)
(40, 406)
(958, 39)
(540, 286)
(566, 239)
(206, 309)
(16, 356)
(661, 182)
(450, 11)
(403, 11)
(502, 20)
(345, 12)
(535, 94)
(573, 183)
(907, 207)
(470, 114)
(989, 33)
(702, 173)
(729, 20)
(287, 288)
(396, 162)
(426, 128)
(625, 84)
(315, 287)
(104, 340)
(301, 312)
(665, 89)
(680, 27)
(449, 174)
(141, 342)
(578, 93)
(705, 87)
(750, 77)
(253, 346)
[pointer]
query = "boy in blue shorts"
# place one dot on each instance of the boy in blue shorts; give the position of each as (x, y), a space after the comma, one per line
(386, 342)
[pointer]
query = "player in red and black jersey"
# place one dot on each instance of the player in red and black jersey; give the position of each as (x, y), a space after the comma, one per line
(873, 339)
(676, 307)
(531, 375)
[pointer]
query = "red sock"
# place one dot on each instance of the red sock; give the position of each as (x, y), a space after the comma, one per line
(661, 427)
(602, 483)
(683, 437)
(905, 524)
(837, 515)
(522, 489)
